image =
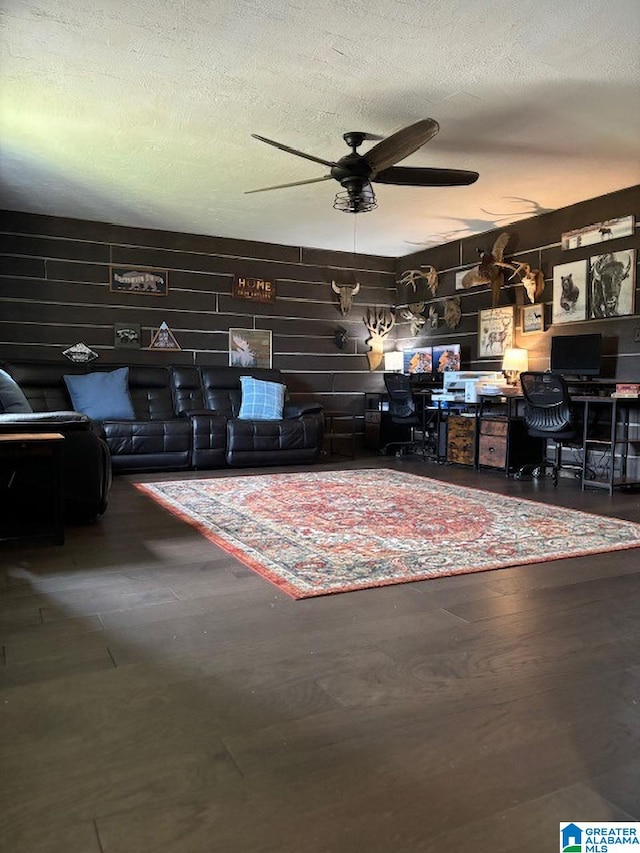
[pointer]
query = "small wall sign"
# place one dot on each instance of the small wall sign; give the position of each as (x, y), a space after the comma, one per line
(151, 282)
(254, 289)
(164, 339)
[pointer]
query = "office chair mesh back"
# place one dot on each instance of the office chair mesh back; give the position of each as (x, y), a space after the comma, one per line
(548, 404)
(401, 403)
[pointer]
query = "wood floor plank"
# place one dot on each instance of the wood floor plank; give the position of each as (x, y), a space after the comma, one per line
(158, 694)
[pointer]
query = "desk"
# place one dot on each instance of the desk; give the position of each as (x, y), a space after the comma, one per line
(31, 487)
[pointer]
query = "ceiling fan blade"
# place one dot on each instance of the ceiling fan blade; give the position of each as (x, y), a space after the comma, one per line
(400, 144)
(293, 150)
(294, 184)
(417, 177)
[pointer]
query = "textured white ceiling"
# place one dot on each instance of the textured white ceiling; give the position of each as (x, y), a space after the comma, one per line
(140, 112)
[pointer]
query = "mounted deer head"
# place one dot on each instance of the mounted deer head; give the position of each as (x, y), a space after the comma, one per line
(413, 313)
(346, 292)
(379, 323)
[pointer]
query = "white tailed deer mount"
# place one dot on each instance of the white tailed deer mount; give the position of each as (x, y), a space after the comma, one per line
(532, 280)
(413, 313)
(379, 323)
(410, 278)
(346, 292)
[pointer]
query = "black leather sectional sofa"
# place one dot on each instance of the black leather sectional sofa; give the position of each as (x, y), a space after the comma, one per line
(186, 417)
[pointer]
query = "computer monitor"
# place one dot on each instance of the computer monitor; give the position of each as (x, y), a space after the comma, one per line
(446, 357)
(417, 360)
(576, 355)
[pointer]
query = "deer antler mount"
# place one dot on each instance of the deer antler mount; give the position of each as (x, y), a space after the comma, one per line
(379, 323)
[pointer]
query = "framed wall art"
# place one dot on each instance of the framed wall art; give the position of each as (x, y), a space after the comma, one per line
(533, 319)
(126, 335)
(250, 347)
(151, 282)
(570, 292)
(612, 284)
(495, 331)
(600, 232)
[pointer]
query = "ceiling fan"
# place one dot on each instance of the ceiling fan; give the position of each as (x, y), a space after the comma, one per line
(355, 172)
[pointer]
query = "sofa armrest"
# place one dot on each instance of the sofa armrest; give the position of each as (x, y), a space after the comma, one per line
(292, 411)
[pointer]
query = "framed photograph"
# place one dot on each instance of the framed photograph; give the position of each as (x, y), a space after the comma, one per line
(126, 335)
(570, 292)
(600, 232)
(532, 319)
(152, 282)
(495, 331)
(250, 347)
(612, 284)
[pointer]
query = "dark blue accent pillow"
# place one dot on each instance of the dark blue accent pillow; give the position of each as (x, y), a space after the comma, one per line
(103, 396)
(261, 400)
(12, 399)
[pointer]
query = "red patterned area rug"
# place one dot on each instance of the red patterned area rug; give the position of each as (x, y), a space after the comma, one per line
(318, 533)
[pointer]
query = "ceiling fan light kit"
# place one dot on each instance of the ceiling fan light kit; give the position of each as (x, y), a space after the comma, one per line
(355, 172)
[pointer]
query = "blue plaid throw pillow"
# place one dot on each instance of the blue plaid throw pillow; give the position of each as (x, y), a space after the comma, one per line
(261, 401)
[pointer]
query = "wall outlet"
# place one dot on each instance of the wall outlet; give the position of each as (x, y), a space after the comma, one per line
(636, 335)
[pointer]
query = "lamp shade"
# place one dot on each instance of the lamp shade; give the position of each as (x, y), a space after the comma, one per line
(515, 359)
(393, 361)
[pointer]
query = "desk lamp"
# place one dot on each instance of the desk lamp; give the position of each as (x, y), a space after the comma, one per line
(393, 362)
(514, 361)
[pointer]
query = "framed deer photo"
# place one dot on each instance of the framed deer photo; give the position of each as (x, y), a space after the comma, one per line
(495, 331)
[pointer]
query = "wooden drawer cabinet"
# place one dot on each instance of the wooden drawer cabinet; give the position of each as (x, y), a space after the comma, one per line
(461, 440)
(492, 443)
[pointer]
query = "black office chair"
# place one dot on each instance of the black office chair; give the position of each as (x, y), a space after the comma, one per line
(402, 412)
(548, 415)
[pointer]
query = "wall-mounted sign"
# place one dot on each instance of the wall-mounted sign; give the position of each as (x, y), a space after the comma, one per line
(126, 335)
(254, 289)
(152, 282)
(80, 353)
(164, 339)
(599, 233)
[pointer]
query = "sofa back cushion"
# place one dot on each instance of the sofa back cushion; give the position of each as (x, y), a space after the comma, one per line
(12, 398)
(150, 389)
(102, 395)
(222, 390)
(43, 385)
(187, 389)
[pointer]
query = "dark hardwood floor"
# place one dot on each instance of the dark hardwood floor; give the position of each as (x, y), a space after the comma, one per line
(159, 696)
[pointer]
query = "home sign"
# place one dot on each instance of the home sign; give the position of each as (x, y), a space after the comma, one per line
(254, 289)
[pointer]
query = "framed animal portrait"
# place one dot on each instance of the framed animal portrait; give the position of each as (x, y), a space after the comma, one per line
(495, 331)
(250, 347)
(532, 319)
(570, 292)
(612, 284)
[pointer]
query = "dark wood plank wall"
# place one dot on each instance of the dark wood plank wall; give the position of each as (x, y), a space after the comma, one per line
(54, 292)
(535, 241)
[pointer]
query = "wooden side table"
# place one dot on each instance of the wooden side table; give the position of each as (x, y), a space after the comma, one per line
(31, 493)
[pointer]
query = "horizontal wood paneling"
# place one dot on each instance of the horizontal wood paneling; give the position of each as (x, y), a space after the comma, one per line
(55, 292)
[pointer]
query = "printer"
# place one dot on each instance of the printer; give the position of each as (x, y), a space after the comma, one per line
(463, 386)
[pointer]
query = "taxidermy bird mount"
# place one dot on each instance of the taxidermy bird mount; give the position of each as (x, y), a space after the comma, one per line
(356, 172)
(489, 270)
